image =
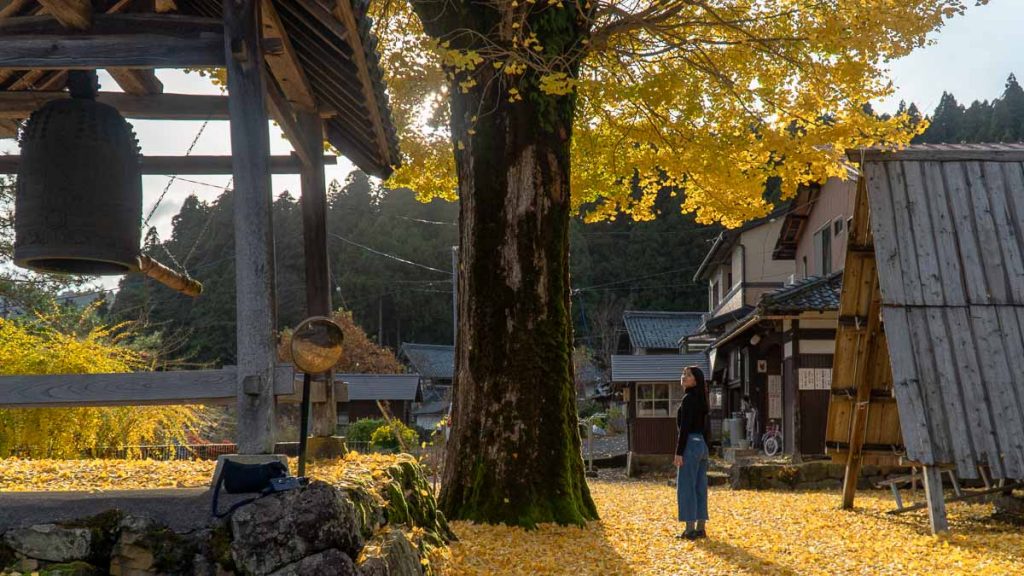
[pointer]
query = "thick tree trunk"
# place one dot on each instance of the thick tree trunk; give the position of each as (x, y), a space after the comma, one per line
(514, 453)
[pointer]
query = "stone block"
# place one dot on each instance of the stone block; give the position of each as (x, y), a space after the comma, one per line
(51, 542)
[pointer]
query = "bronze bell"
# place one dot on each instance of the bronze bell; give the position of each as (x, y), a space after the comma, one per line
(78, 206)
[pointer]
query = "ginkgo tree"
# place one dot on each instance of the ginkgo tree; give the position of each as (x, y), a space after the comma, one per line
(527, 110)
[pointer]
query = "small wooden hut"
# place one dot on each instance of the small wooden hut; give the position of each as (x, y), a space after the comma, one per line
(308, 64)
(929, 361)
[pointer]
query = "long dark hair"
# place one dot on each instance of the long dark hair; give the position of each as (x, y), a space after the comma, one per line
(700, 390)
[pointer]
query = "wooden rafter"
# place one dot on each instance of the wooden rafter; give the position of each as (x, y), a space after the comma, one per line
(347, 29)
(72, 14)
(284, 64)
(77, 15)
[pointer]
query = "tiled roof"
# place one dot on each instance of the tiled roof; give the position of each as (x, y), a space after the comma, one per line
(381, 386)
(659, 330)
(432, 361)
(817, 293)
(655, 367)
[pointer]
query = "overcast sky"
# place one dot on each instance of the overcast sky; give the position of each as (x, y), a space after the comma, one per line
(971, 58)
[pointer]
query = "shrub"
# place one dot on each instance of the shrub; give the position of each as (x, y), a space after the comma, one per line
(588, 409)
(387, 436)
(616, 419)
(47, 347)
(362, 430)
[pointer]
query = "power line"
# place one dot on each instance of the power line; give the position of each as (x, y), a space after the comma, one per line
(391, 256)
(635, 278)
(422, 221)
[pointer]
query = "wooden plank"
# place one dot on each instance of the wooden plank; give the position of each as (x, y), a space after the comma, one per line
(967, 241)
(198, 165)
(314, 244)
(936, 500)
(129, 389)
(1014, 179)
(993, 269)
(959, 425)
(928, 382)
(904, 232)
(887, 258)
(998, 385)
(1006, 229)
(944, 233)
(106, 51)
(913, 421)
(979, 413)
(254, 231)
(922, 233)
(73, 14)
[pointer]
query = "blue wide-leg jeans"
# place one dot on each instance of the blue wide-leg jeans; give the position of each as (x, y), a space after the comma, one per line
(692, 480)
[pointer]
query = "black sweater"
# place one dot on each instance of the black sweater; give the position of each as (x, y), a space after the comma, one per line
(689, 419)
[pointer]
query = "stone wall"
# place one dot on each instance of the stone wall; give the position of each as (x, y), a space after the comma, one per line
(380, 526)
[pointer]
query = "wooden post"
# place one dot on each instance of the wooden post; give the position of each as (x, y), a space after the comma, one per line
(865, 359)
(314, 240)
(254, 232)
(796, 391)
(936, 499)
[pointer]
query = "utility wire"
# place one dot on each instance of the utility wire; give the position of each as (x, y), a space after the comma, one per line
(391, 256)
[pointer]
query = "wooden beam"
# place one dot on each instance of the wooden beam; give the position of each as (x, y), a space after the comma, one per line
(283, 113)
(106, 51)
(130, 389)
(936, 500)
(314, 243)
(254, 231)
(72, 14)
(284, 64)
(20, 105)
(195, 165)
(113, 23)
(114, 40)
(138, 82)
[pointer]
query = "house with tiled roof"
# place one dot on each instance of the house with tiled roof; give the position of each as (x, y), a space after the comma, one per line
(648, 376)
(772, 356)
(435, 364)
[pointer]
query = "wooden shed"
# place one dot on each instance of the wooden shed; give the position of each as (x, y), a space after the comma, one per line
(929, 360)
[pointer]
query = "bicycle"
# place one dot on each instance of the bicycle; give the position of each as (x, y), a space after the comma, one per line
(771, 441)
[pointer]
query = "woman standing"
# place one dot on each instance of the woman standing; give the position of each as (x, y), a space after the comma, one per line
(692, 454)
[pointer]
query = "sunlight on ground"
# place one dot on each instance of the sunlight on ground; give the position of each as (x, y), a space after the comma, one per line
(749, 533)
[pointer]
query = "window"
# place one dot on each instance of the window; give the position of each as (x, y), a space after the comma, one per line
(657, 399)
(715, 398)
(823, 247)
(730, 281)
(714, 295)
(838, 226)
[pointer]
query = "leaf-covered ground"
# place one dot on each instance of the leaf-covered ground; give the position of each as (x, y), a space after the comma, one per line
(783, 533)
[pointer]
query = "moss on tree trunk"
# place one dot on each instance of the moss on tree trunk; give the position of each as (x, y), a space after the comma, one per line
(514, 453)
